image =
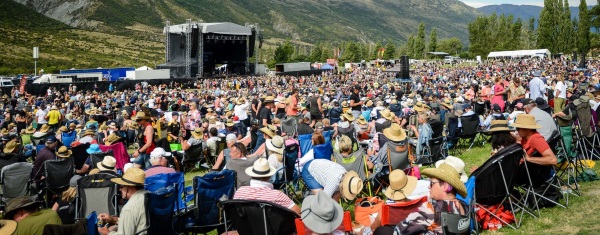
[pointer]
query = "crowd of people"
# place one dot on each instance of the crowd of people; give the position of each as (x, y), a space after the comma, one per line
(364, 114)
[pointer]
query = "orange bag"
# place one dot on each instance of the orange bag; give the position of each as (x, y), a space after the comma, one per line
(367, 207)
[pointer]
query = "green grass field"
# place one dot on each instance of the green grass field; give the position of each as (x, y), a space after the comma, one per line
(579, 218)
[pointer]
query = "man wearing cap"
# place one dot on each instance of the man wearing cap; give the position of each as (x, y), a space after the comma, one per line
(133, 215)
(542, 118)
(261, 189)
(230, 128)
(46, 153)
(159, 162)
(30, 219)
(355, 102)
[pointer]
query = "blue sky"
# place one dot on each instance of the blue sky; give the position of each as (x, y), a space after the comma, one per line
(480, 3)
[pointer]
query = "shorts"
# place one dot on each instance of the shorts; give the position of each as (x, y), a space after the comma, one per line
(316, 117)
(309, 180)
(143, 160)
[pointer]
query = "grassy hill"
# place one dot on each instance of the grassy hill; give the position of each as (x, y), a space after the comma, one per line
(62, 46)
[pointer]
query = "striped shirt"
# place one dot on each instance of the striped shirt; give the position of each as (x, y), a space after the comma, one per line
(328, 174)
(260, 190)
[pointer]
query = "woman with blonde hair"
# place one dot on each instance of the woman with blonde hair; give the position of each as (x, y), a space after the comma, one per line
(560, 94)
(65, 205)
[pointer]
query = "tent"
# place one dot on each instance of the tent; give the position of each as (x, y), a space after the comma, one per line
(522, 53)
(327, 67)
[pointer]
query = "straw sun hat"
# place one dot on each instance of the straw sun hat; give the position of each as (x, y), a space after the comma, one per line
(132, 177)
(525, 121)
(395, 133)
(197, 133)
(401, 185)
(497, 126)
(351, 185)
(112, 138)
(448, 174)
(457, 164)
(63, 152)
(7, 226)
(269, 130)
(10, 146)
(348, 115)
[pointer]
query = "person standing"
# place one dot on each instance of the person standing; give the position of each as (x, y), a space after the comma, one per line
(316, 109)
(146, 138)
(355, 102)
(536, 86)
(499, 91)
(560, 94)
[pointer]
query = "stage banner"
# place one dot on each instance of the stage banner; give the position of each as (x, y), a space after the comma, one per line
(22, 85)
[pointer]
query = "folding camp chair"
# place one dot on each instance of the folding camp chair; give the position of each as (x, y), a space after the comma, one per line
(98, 157)
(432, 152)
(323, 151)
(158, 181)
(286, 178)
(193, 156)
(453, 136)
(289, 126)
(396, 157)
(455, 223)
(15, 181)
(159, 211)
(392, 214)
(470, 131)
(96, 193)
(80, 154)
(58, 173)
(259, 217)
(327, 136)
(60, 229)
(305, 143)
(567, 171)
(209, 190)
(496, 179)
(346, 225)
(39, 142)
(67, 138)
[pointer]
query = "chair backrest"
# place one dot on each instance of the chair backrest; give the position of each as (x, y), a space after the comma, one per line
(97, 193)
(290, 155)
(498, 171)
(358, 165)
(305, 143)
(68, 138)
(60, 229)
(455, 223)
(470, 125)
(392, 214)
(346, 225)
(323, 151)
(289, 126)
(381, 139)
(58, 172)
(159, 211)
(38, 140)
(159, 181)
(327, 136)
(251, 217)
(437, 127)
(209, 189)
(195, 152)
(436, 147)
(397, 153)
(26, 139)
(80, 154)
(221, 144)
(15, 180)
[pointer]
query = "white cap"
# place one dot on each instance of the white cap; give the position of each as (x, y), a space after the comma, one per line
(159, 152)
(230, 137)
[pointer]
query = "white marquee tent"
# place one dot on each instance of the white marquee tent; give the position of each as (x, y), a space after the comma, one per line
(521, 53)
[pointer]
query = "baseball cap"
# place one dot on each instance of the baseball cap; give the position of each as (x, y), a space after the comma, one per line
(528, 101)
(51, 138)
(497, 107)
(230, 137)
(159, 152)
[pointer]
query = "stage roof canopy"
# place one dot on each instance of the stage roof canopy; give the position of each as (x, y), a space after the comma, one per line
(521, 53)
(217, 28)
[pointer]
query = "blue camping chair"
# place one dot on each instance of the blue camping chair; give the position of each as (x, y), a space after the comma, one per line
(68, 138)
(209, 190)
(305, 143)
(92, 223)
(327, 135)
(323, 151)
(159, 181)
(159, 211)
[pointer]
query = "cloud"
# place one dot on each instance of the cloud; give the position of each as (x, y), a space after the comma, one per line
(475, 4)
(480, 3)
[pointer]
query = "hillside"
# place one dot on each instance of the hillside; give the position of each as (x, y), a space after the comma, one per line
(304, 20)
(62, 46)
(524, 12)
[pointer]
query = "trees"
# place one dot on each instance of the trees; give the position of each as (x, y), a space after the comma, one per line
(583, 30)
(450, 45)
(433, 41)
(420, 42)
(284, 52)
(495, 33)
(390, 50)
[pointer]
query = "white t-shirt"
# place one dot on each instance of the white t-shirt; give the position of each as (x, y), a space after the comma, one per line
(151, 103)
(41, 116)
(562, 90)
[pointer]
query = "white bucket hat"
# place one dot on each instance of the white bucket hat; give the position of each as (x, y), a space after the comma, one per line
(457, 164)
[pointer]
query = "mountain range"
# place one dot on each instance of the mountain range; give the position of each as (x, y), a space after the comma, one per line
(525, 12)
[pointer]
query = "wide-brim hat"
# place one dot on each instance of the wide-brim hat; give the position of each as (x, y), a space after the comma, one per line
(7, 226)
(419, 107)
(394, 133)
(44, 128)
(260, 169)
(269, 99)
(111, 139)
(94, 148)
(141, 116)
(276, 144)
(132, 177)
(63, 129)
(401, 185)
(361, 120)
(30, 130)
(269, 130)
(447, 174)
(18, 203)
(348, 116)
(457, 164)
(88, 132)
(321, 214)
(64, 152)
(498, 125)
(197, 133)
(10, 146)
(525, 121)
(447, 105)
(92, 111)
(229, 123)
(107, 164)
(240, 101)
(345, 104)
(351, 185)
(387, 114)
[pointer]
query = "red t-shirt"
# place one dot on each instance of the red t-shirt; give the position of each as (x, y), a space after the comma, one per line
(535, 143)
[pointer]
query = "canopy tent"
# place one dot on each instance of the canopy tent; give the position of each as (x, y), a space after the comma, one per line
(395, 69)
(216, 28)
(327, 67)
(521, 53)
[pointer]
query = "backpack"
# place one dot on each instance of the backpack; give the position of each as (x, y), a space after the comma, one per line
(585, 116)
